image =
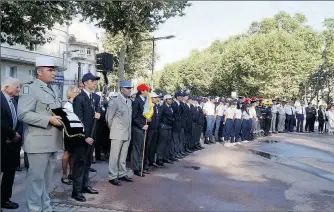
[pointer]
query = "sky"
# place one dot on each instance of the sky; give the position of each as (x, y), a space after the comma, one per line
(207, 21)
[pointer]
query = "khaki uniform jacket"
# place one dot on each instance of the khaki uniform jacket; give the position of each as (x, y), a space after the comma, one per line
(118, 117)
(34, 108)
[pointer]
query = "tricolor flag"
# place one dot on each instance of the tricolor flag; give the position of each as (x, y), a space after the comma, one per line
(148, 108)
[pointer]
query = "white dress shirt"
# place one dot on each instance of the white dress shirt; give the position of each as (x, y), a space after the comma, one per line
(220, 110)
(238, 113)
(229, 113)
(209, 109)
(290, 110)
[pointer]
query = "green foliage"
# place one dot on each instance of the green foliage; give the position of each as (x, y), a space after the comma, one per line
(138, 57)
(131, 18)
(273, 59)
(25, 22)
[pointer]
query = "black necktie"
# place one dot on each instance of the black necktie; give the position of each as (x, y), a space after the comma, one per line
(50, 87)
(91, 100)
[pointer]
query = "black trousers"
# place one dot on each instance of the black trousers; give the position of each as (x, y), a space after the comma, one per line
(175, 144)
(137, 140)
(165, 137)
(321, 125)
(194, 135)
(267, 125)
(300, 123)
(102, 140)
(188, 137)
(309, 126)
(151, 147)
(82, 160)
(199, 129)
(182, 141)
(7, 184)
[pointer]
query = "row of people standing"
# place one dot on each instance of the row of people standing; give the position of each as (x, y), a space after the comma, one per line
(171, 133)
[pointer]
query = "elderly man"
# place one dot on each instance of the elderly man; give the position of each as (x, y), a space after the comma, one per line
(118, 117)
(42, 138)
(9, 140)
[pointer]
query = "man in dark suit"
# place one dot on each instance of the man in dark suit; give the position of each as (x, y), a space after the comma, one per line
(187, 123)
(10, 140)
(176, 129)
(139, 125)
(165, 131)
(96, 144)
(152, 134)
(311, 113)
(84, 108)
(321, 119)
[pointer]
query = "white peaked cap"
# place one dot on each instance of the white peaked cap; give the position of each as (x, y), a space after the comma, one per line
(113, 94)
(45, 61)
(153, 95)
(168, 97)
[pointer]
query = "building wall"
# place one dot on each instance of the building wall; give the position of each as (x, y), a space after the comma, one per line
(19, 61)
(85, 55)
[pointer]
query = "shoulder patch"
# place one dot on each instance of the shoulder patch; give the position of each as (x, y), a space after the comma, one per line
(25, 89)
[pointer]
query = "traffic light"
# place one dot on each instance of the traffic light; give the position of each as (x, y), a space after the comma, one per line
(104, 62)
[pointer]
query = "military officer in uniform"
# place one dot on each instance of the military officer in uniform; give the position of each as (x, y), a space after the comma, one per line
(119, 117)
(281, 117)
(42, 138)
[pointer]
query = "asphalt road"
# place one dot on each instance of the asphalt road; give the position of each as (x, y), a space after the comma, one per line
(285, 172)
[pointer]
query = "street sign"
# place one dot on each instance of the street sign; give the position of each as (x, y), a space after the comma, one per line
(59, 80)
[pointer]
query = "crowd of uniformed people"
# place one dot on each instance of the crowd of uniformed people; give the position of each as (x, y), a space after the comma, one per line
(114, 127)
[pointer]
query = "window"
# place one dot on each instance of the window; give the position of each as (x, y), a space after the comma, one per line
(88, 51)
(82, 51)
(62, 47)
(13, 71)
(32, 73)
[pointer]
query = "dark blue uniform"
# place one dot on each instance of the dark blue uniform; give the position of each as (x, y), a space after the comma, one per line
(165, 134)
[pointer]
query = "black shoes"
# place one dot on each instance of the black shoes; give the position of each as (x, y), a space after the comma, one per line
(89, 190)
(126, 178)
(154, 165)
(160, 163)
(115, 182)
(137, 172)
(92, 170)
(9, 205)
(79, 197)
(168, 161)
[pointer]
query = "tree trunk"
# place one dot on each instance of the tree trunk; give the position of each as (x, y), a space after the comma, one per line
(122, 55)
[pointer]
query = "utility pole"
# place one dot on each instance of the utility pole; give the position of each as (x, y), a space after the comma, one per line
(153, 52)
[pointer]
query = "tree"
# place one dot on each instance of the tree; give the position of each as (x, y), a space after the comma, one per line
(130, 18)
(272, 59)
(138, 58)
(26, 22)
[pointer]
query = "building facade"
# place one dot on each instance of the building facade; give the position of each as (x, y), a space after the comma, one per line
(74, 58)
(81, 60)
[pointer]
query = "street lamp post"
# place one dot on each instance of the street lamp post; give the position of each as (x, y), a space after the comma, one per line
(153, 51)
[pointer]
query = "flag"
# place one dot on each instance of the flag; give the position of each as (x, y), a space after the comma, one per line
(148, 108)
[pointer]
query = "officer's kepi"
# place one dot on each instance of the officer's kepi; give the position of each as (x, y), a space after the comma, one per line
(125, 84)
(45, 62)
(89, 76)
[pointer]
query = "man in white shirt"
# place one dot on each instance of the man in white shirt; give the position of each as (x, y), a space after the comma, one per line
(300, 112)
(209, 111)
(274, 111)
(290, 114)
(220, 109)
(281, 117)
